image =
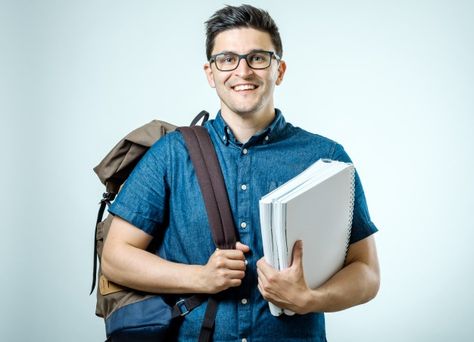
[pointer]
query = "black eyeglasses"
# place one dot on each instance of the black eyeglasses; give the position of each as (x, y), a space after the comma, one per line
(258, 60)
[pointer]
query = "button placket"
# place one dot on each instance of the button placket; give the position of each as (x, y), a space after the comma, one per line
(243, 217)
(243, 194)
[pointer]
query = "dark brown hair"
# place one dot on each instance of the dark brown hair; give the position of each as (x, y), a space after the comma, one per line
(231, 17)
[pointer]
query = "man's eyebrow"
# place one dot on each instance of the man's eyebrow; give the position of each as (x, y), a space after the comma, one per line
(235, 53)
(226, 51)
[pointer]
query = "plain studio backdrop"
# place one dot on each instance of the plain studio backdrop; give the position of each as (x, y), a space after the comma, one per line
(392, 81)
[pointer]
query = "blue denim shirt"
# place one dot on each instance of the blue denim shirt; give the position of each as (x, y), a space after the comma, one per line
(162, 197)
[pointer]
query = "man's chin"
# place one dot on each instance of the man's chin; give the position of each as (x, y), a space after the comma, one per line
(245, 110)
(248, 114)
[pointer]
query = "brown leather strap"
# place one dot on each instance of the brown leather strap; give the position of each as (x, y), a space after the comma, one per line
(184, 306)
(218, 185)
(208, 323)
(211, 181)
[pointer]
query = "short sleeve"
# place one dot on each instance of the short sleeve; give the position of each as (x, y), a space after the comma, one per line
(143, 198)
(362, 225)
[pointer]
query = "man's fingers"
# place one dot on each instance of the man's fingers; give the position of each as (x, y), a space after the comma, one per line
(230, 254)
(266, 273)
(241, 247)
(236, 274)
(234, 254)
(227, 261)
(263, 265)
(266, 293)
(297, 255)
(261, 275)
(238, 265)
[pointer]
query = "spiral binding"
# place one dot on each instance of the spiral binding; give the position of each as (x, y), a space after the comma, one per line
(351, 207)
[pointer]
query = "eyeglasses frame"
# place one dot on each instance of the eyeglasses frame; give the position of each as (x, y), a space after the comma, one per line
(212, 59)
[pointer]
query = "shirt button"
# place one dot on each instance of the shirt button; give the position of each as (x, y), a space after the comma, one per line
(245, 151)
(266, 138)
(224, 138)
(244, 301)
(243, 225)
(243, 187)
(244, 340)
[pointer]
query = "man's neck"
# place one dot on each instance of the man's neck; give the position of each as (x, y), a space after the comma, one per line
(245, 126)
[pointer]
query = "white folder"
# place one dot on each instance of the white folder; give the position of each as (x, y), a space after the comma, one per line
(316, 206)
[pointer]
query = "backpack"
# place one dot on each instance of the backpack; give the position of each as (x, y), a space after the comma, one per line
(132, 315)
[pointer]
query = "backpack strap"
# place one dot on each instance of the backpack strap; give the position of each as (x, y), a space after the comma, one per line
(202, 115)
(107, 197)
(211, 181)
(184, 306)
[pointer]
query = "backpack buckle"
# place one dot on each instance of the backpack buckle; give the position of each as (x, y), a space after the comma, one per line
(181, 305)
(107, 197)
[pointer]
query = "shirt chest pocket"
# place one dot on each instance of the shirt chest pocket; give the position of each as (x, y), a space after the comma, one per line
(273, 185)
(270, 186)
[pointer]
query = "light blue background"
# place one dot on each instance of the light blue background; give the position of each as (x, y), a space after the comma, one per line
(393, 81)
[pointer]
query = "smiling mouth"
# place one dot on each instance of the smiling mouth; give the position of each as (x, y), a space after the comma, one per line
(244, 87)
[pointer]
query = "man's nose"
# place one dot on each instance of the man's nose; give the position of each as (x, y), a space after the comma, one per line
(243, 69)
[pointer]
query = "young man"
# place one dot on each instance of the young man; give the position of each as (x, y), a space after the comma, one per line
(258, 151)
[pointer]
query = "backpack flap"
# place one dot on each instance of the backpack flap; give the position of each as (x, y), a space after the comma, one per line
(115, 168)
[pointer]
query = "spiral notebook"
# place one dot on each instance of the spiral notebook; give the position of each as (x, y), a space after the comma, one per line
(316, 206)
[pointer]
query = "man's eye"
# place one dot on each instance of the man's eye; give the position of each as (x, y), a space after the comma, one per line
(258, 58)
(227, 59)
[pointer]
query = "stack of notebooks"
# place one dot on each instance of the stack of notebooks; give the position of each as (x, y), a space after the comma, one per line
(316, 206)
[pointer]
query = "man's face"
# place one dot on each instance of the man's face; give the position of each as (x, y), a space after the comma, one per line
(245, 91)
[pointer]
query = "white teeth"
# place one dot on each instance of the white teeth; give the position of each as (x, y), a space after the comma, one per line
(244, 87)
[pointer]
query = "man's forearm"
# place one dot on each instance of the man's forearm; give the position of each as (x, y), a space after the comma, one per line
(355, 284)
(139, 269)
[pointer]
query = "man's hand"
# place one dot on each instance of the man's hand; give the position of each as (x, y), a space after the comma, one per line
(225, 268)
(356, 283)
(286, 288)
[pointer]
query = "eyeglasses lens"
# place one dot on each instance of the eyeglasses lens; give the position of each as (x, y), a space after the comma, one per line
(255, 60)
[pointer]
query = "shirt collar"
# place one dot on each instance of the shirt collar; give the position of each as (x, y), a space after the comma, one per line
(264, 136)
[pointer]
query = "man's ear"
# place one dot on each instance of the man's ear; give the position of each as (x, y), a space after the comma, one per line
(281, 72)
(209, 75)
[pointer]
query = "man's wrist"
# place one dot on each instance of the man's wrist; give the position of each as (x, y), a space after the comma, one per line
(316, 301)
(196, 279)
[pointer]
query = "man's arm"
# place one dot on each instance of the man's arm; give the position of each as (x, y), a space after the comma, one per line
(125, 261)
(356, 283)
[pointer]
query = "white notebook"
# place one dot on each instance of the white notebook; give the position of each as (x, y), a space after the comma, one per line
(316, 206)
